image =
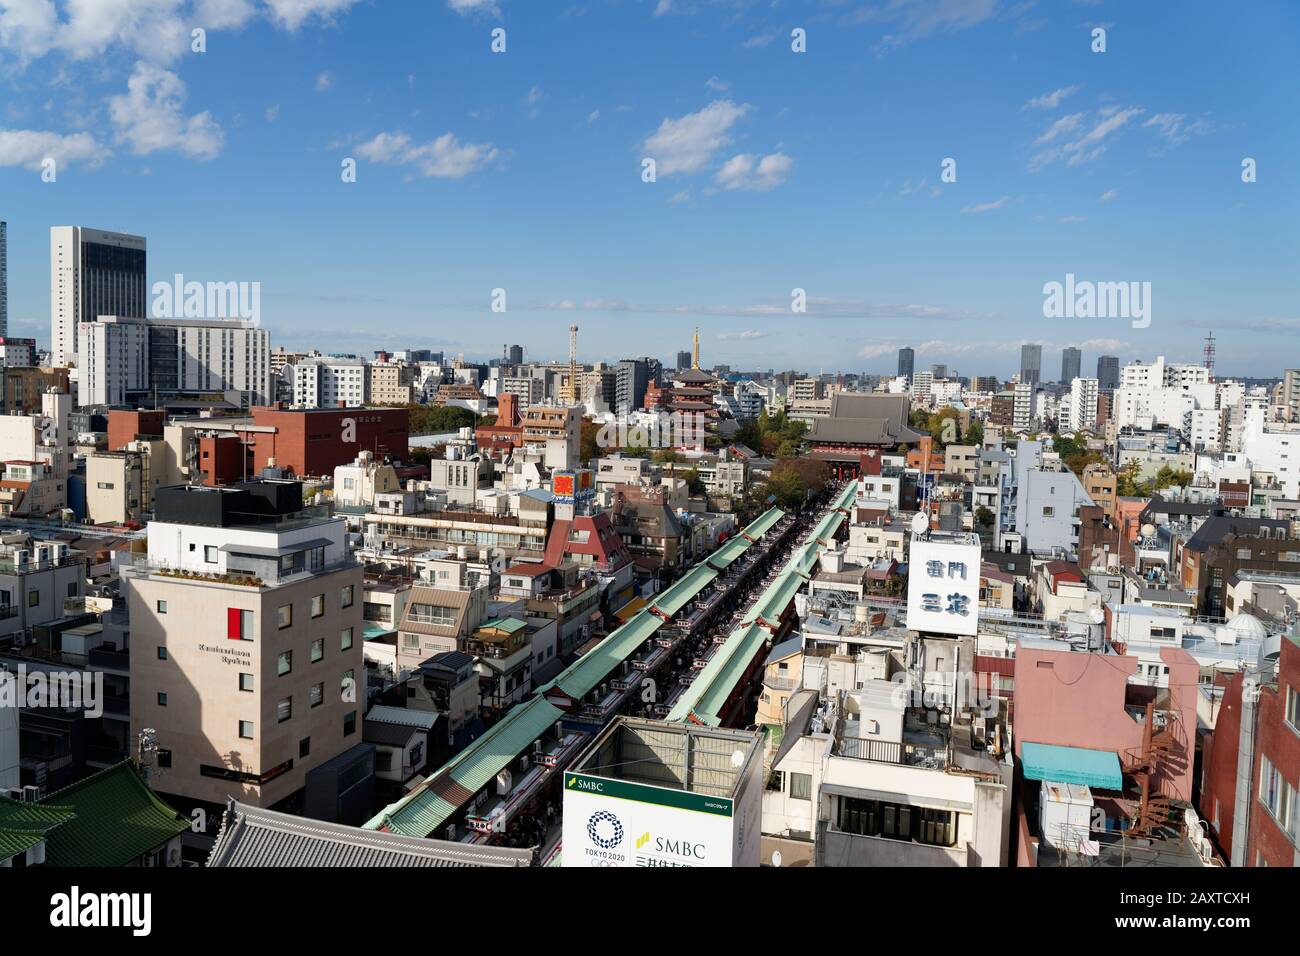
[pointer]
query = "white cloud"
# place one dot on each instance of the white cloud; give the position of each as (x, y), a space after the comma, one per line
(742, 172)
(532, 99)
(1108, 196)
(273, 113)
(662, 7)
(717, 85)
(157, 31)
(747, 334)
(443, 158)
(1085, 148)
(291, 14)
(593, 116)
(1069, 219)
(1175, 128)
(758, 42)
(687, 144)
(466, 7)
(28, 148)
(148, 116)
(1049, 101)
(324, 81)
(987, 206)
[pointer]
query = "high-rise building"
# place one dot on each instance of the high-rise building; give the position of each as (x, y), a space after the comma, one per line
(4, 279)
(330, 382)
(1108, 373)
(92, 273)
(1031, 364)
(683, 360)
(1070, 363)
(246, 638)
(128, 360)
(939, 372)
(515, 354)
(906, 362)
(1083, 404)
(633, 377)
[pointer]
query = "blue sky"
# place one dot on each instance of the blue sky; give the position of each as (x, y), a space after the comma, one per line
(776, 170)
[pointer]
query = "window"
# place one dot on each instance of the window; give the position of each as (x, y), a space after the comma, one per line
(801, 786)
(162, 653)
(210, 553)
(1293, 708)
(284, 664)
(1048, 511)
(433, 614)
(345, 639)
(316, 696)
(349, 723)
(384, 761)
(411, 642)
(162, 607)
(1243, 554)
(284, 616)
(162, 699)
(239, 624)
(318, 605)
(246, 682)
(304, 747)
(33, 598)
(345, 596)
(284, 710)
(164, 759)
(347, 686)
(246, 729)
(317, 650)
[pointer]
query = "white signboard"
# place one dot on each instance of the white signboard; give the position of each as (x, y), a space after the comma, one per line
(618, 823)
(943, 587)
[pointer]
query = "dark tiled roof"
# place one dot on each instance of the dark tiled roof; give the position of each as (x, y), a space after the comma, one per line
(1218, 527)
(23, 825)
(253, 837)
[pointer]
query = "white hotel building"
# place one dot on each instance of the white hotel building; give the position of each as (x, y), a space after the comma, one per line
(127, 359)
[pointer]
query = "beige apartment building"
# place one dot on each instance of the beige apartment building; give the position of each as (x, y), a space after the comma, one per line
(246, 636)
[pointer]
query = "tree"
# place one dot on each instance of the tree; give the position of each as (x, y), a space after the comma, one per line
(975, 433)
(984, 516)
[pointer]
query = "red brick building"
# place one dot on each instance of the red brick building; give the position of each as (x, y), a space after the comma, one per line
(126, 425)
(1273, 830)
(314, 441)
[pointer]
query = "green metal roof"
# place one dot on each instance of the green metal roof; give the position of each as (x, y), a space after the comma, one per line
(23, 825)
(1093, 768)
(117, 820)
(426, 809)
(684, 590)
(508, 624)
(715, 683)
(591, 668)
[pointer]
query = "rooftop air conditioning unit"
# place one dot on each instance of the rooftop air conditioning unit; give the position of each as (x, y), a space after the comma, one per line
(31, 794)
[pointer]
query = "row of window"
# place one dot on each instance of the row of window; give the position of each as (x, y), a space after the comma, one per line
(239, 622)
(1279, 798)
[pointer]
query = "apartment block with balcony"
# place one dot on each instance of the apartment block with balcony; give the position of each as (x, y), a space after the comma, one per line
(246, 632)
(864, 778)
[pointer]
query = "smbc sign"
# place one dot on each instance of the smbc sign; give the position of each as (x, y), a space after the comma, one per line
(611, 823)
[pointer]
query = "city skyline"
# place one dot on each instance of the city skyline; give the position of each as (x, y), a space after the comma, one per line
(507, 171)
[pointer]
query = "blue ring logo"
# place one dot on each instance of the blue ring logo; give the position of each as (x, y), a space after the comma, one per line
(605, 830)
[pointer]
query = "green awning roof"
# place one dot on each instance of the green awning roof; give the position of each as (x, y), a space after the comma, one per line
(23, 825)
(507, 624)
(1092, 768)
(118, 820)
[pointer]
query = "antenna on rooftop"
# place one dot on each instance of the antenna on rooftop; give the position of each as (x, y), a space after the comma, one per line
(1209, 355)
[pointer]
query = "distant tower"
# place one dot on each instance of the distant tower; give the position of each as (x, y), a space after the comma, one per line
(572, 392)
(1209, 355)
(695, 359)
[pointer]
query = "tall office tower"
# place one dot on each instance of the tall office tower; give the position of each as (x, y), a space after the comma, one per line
(939, 371)
(92, 273)
(246, 633)
(515, 355)
(1108, 373)
(906, 362)
(4, 279)
(683, 360)
(1070, 361)
(1031, 364)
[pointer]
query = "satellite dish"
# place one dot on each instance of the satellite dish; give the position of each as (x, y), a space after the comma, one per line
(1148, 530)
(737, 758)
(920, 523)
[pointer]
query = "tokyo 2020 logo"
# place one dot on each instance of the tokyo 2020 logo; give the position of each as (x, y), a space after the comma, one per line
(605, 830)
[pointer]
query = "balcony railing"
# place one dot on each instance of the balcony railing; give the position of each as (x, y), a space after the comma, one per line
(864, 748)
